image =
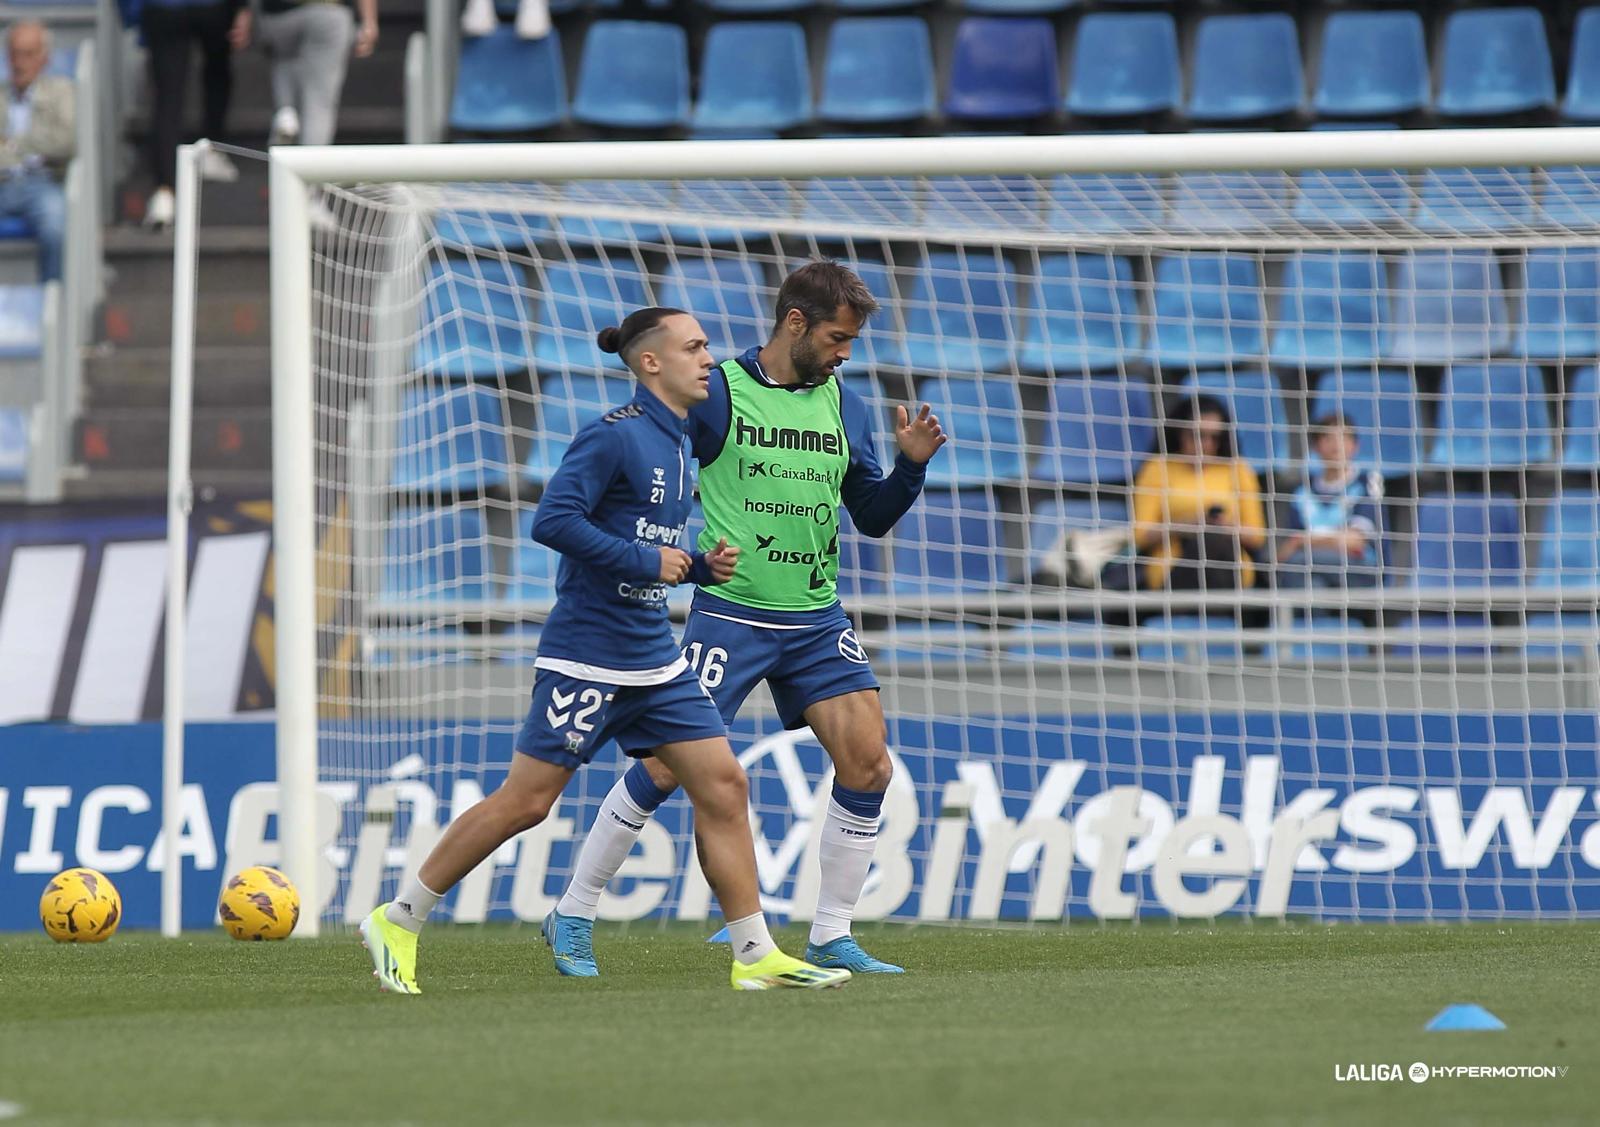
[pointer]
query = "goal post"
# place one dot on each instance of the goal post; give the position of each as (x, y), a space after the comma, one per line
(1410, 747)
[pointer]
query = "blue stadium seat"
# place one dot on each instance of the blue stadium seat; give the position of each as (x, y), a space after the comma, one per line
(1096, 203)
(978, 202)
(952, 542)
(1568, 554)
(861, 568)
(1057, 641)
(1054, 518)
(475, 317)
(1083, 314)
(1003, 69)
(877, 69)
(451, 439)
(1495, 61)
(583, 295)
(1353, 646)
(15, 227)
(568, 400)
(1580, 443)
(1382, 407)
(1330, 309)
(1374, 64)
(532, 577)
(1246, 66)
(21, 321)
(1230, 202)
(1176, 649)
(1448, 305)
(729, 296)
(960, 314)
(1260, 423)
(1018, 7)
(1125, 63)
(1207, 309)
(1493, 415)
(634, 75)
(1468, 540)
(1560, 307)
(736, 92)
(434, 555)
(852, 202)
(13, 444)
(463, 229)
(1351, 197)
(1475, 201)
(615, 193)
(1582, 102)
(1096, 429)
(756, 7)
(874, 5)
(749, 206)
(509, 85)
(988, 415)
(1570, 196)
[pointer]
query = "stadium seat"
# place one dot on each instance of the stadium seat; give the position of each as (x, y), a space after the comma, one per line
(1057, 641)
(568, 400)
(1352, 646)
(1054, 518)
(856, 201)
(474, 317)
(1330, 309)
(756, 7)
(1495, 61)
(1568, 551)
(434, 555)
(1083, 314)
(21, 321)
(952, 542)
(1003, 69)
(877, 69)
(1096, 203)
(1559, 316)
(861, 564)
(749, 206)
(616, 193)
(1096, 429)
(451, 439)
(1582, 102)
(582, 295)
(13, 444)
(1125, 63)
(634, 75)
(1181, 650)
(1448, 305)
(988, 414)
(472, 228)
(1017, 7)
(1580, 441)
(1570, 196)
(1260, 423)
(874, 5)
(1382, 408)
(729, 296)
(1493, 415)
(15, 227)
(1475, 201)
(1230, 202)
(961, 309)
(957, 203)
(1351, 197)
(505, 84)
(531, 580)
(1468, 540)
(736, 93)
(1207, 309)
(1246, 66)
(1374, 64)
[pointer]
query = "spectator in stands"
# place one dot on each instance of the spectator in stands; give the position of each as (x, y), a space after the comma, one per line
(1198, 518)
(220, 27)
(1336, 516)
(40, 138)
(309, 41)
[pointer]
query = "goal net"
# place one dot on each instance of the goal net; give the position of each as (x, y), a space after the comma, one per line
(1259, 576)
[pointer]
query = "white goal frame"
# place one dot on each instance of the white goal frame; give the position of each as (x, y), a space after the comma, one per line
(295, 171)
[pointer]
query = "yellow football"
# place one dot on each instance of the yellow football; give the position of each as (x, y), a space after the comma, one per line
(80, 906)
(259, 903)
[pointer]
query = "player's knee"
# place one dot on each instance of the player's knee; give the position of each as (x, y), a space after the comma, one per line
(664, 779)
(876, 772)
(731, 789)
(528, 811)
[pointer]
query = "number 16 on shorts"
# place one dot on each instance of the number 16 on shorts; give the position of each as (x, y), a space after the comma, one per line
(710, 663)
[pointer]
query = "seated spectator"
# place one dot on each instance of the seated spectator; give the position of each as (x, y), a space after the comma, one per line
(40, 138)
(1198, 518)
(1336, 516)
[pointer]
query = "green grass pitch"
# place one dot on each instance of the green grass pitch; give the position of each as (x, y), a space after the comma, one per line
(1231, 1024)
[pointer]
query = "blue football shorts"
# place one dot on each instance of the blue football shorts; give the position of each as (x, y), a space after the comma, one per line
(801, 664)
(570, 718)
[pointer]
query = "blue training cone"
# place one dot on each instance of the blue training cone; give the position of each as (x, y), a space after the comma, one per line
(720, 937)
(1464, 1016)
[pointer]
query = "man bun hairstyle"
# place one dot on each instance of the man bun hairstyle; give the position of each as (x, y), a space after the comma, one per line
(818, 289)
(620, 339)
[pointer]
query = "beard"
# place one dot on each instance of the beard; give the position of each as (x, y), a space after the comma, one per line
(807, 364)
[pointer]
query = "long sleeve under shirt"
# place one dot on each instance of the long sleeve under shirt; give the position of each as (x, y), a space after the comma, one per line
(875, 501)
(622, 492)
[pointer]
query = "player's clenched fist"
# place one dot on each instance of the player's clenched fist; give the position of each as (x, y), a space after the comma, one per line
(675, 564)
(722, 560)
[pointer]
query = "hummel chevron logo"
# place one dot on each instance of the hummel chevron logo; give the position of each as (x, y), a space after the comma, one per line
(560, 700)
(764, 542)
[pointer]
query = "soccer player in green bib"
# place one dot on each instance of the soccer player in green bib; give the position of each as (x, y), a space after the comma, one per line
(781, 445)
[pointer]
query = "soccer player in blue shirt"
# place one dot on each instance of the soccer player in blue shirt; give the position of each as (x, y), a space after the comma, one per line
(782, 444)
(608, 667)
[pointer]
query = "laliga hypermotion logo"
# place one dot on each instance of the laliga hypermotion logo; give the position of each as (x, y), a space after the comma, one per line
(790, 803)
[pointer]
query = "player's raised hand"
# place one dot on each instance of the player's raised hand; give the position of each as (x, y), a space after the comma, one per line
(675, 564)
(722, 560)
(921, 437)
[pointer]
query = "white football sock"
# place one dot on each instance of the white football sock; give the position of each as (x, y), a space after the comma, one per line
(411, 905)
(845, 856)
(750, 938)
(616, 827)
